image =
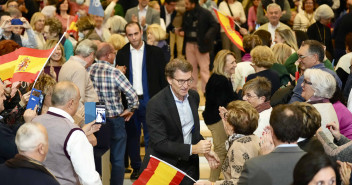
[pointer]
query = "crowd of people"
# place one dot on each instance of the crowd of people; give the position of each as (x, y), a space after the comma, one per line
(278, 106)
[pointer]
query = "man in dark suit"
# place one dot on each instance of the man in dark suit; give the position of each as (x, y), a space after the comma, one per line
(145, 67)
(276, 168)
(173, 123)
(168, 13)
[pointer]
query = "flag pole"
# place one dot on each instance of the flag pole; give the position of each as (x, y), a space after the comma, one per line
(63, 35)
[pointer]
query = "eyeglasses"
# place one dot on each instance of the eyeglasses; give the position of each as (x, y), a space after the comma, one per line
(307, 82)
(182, 82)
(303, 56)
(249, 95)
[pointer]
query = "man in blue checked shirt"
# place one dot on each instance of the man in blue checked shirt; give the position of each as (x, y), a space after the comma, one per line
(109, 82)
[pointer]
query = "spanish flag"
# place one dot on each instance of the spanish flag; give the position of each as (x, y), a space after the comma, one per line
(228, 25)
(73, 28)
(24, 64)
(159, 172)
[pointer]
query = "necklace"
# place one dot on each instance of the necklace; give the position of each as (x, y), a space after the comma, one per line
(323, 40)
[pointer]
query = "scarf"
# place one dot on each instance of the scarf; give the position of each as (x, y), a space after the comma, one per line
(231, 139)
(262, 107)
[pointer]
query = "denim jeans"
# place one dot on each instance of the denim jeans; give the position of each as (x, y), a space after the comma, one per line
(117, 149)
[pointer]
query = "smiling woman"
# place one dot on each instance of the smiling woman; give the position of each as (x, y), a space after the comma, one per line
(219, 92)
(56, 60)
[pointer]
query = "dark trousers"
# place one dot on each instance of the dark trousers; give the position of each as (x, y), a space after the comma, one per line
(133, 129)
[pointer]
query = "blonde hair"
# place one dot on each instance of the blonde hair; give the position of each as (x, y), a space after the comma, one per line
(116, 24)
(50, 44)
(151, 4)
(220, 61)
(85, 23)
(288, 36)
(157, 31)
(281, 52)
(262, 56)
(35, 18)
(117, 41)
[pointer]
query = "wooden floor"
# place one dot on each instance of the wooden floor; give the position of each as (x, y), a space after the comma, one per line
(203, 165)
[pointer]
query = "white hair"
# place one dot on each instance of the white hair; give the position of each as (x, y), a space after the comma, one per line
(117, 24)
(29, 136)
(273, 5)
(85, 48)
(323, 83)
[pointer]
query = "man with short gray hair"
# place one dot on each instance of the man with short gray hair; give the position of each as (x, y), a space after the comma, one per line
(273, 13)
(70, 155)
(74, 70)
(32, 144)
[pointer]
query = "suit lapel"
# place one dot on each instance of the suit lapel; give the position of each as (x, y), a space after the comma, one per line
(148, 16)
(173, 108)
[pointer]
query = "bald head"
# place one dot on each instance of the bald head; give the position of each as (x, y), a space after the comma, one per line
(105, 52)
(63, 92)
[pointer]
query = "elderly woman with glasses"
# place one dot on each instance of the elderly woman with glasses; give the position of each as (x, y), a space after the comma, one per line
(317, 88)
(240, 121)
(219, 93)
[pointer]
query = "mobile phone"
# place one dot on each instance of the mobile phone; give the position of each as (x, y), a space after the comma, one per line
(34, 99)
(40, 103)
(16, 22)
(100, 113)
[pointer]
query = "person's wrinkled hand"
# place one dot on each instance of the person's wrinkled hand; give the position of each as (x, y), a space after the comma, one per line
(134, 18)
(266, 142)
(345, 172)
(25, 98)
(25, 24)
(29, 114)
(222, 112)
(334, 129)
(6, 23)
(202, 147)
(127, 114)
(91, 128)
(213, 159)
(121, 68)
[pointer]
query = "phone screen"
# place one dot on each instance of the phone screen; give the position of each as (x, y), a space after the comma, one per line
(40, 103)
(100, 113)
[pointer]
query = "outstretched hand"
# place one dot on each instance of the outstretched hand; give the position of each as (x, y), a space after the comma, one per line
(213, 159)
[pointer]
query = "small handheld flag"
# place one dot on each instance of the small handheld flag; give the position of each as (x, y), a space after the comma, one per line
(159, 172)
(228, 25)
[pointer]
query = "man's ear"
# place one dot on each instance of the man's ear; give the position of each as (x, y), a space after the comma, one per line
(169, 80)
(41, 149)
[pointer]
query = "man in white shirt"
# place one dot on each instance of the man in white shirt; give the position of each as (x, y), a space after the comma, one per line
(274, 13)
(70, 157)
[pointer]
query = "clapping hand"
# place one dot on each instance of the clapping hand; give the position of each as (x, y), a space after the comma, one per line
(266, 142)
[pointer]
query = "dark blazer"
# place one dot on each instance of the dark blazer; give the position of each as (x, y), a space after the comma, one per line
(275, 168)
(163, 16)
(165, 131)
(207, 27)
(219, 93)
(8, 148)
(155, 66)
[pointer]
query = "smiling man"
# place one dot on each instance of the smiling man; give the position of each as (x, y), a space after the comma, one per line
(310, 56)
(173, 123)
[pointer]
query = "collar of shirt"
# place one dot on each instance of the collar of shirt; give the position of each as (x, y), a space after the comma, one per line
(166, 12)
(144, 9)
(78, 59)
(103, 62)
(62, 113)
(274, 27)
(175, 98)
(318, 66)
(301, 139)
(287, 145)
(140, 49)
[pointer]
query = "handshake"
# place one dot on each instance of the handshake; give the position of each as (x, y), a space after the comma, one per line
(204, 147)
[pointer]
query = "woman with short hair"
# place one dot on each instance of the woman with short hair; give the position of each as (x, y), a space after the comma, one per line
(305, 18)
(240, 121)
(156, 36)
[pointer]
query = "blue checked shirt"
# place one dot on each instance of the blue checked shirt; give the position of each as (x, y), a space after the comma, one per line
(109, 82)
